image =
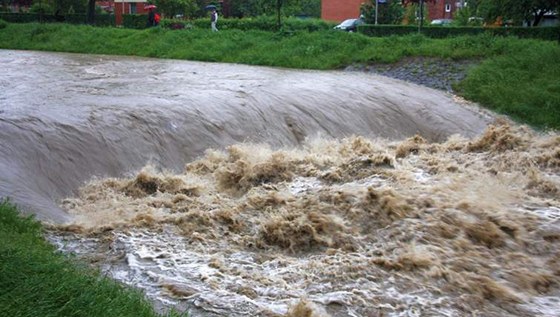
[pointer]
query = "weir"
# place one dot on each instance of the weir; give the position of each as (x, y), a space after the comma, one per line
(67, 118)
(230, 190)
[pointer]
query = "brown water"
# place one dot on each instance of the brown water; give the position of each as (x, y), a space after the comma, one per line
(274, 192)
(65, 118)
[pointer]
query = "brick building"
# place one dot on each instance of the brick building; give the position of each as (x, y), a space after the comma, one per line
(338, 10)
(443, 9)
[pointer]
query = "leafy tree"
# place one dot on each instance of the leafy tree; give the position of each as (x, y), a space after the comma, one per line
(67, 6)
(421, 8)
(390, 12)
(416, 10)
(311, 8)
(171, 8)
(253, 8)
(42, 7)
(518, 11)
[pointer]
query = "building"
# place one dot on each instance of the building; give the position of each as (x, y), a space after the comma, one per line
(443, 9)
(128, 7)
(340, 10)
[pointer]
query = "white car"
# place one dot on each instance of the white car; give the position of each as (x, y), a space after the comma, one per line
(442, 22)
(350, 25)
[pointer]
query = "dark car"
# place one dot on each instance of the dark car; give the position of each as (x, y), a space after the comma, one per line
(350, 25)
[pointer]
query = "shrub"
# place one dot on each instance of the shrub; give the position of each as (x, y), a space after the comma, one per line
(135, 21)
(3, 24)
(543, 33)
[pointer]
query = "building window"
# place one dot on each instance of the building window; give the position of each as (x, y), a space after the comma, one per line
(447, 7)
(133, 8)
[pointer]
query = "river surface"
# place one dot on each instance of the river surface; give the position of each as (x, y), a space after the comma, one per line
(231, 190)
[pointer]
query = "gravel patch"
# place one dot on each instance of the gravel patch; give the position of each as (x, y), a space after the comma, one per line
(431, 72)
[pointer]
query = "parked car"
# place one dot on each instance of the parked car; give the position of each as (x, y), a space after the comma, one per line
(442, 22)
(350, 25)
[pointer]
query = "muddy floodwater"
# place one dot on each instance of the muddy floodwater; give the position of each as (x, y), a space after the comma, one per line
(231, 190)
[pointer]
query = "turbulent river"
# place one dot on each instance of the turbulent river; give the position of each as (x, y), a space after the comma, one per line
(230, 190)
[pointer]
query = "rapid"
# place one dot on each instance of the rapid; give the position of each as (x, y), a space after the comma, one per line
(231, 190)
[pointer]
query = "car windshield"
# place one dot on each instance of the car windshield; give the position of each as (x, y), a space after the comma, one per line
(348, 22)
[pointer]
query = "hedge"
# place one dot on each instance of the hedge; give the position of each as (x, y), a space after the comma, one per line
(544, 33)
(100, 19)
(135, 21)
(258, 23)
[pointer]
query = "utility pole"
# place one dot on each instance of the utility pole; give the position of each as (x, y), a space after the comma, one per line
(376, 11)
(421, 24)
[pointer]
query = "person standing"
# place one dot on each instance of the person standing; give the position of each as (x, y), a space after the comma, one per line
(151, 17)
(214, 20)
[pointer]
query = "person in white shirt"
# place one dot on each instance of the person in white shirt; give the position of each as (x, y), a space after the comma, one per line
(214, 20)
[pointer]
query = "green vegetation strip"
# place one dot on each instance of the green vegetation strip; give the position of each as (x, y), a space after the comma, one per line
(37, 281)
(517, 77)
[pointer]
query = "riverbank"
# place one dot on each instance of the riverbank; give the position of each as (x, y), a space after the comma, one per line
(430, 72)
(35, 280)
(515, 77)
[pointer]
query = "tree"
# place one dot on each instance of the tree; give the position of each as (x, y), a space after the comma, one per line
(518, 11)
(66, 6)
(91, 12)
(420, 4)
(253, 8)
(171, 8)
(389, 12)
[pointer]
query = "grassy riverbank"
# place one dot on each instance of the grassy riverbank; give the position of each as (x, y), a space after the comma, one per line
(517, 77)
(36, 281)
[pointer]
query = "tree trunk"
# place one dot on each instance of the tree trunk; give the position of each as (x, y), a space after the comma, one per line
(278, 12)
(91, 12)
(538, 18)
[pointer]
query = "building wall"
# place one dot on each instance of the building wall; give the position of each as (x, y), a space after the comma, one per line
(339, 10)
(437, 10)
(124, 7)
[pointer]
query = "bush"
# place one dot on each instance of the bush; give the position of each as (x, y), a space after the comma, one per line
(100, 20)
(135, 21)
(265, 23)
(542, 33)
(3, 24)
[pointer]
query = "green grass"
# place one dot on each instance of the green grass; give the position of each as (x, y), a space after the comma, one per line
(518, 77)
(37, 281)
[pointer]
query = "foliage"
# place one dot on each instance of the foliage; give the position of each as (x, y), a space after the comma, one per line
(543, 33)
(305, 8)
(101, 20)
(35, 280)
(171, 8)
(412, 14)
(516, 11)
(41, 7)
(391, 12)
(265, 23)
(522, 83)
(3, 24)
(466, 17)
(254, 8)
(70, 6)
(135, 21)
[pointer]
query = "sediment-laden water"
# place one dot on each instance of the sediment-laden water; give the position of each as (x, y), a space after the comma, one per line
(231, 190)
(355, 227)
